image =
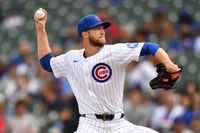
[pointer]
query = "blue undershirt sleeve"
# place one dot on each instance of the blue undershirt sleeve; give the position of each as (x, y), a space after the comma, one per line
(45, 62)
(149, 48)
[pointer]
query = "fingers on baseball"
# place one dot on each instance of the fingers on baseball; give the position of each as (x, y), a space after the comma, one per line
(45, 17)
(44, 12)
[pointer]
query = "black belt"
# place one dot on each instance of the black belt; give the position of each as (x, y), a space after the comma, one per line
(105, 116)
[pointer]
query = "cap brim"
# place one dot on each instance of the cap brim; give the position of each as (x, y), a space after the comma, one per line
(104, 24)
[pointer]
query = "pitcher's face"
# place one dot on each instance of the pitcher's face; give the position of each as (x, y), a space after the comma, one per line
(97, 36)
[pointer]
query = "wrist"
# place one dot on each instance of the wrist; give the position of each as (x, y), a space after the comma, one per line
(41, 30)
(171, 67)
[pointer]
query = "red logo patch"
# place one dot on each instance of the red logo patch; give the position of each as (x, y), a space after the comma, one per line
(101, 72)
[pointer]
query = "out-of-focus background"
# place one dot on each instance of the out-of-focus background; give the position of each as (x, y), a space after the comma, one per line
(33, 101)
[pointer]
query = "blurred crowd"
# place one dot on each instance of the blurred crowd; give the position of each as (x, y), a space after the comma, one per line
(33, 101)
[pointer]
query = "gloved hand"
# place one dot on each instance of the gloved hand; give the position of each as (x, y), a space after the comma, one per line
(165, 80)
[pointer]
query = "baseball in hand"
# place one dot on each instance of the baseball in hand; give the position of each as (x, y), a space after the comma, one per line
(39, 14)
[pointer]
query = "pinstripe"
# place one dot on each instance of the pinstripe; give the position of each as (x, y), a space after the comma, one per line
(88, 87)
(104, 93)
(98, 90)
(107, 96)
(112, 86)
(105, 89)
(115, 94)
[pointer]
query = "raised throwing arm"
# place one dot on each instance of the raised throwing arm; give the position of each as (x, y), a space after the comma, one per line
(44, 51)
(42, 38)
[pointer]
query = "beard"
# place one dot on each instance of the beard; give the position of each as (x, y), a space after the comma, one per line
(96, 42)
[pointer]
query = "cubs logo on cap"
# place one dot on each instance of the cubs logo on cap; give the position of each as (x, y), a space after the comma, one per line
(97, 17)
(90, 21)
(101, 72)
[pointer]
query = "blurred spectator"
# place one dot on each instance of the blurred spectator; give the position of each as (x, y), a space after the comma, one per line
(196, 102)
(149, 106)
(14, 19)
(66, 116)
(186, 102)
(50, 95)
(22, 121)
(180, 127)
(3, 125)
(195, 125)
(141, 35)
(24, 49)
(32, 65)
(191, 88)
(165, 114)
(135, 109)
(160, 25)
(8, 82)
(71, 41)
(127, 32)
(17, 83)
(186, 23)
(30, 85)
(141, 75)
(55, 130)
(114, 32)
(187, 29)
(3, 66)
(194, 107)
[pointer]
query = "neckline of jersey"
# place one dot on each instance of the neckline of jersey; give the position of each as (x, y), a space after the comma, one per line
(83, 53)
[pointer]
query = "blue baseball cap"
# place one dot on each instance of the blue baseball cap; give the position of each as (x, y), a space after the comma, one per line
(90, 21)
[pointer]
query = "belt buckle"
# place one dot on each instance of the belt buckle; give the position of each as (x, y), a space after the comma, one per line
(104, 116)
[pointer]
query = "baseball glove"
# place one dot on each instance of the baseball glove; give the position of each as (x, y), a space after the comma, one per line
(164, 80)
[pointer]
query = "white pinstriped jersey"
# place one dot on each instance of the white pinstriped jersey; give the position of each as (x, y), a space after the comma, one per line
(97, 81)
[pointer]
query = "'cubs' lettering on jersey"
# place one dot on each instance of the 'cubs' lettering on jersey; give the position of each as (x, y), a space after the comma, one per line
(101, 72)
(132, 45)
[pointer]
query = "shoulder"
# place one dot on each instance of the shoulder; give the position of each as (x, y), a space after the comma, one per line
(127, 45)
(68, 55)
(108, 46)
(72, 52)
(116, 44)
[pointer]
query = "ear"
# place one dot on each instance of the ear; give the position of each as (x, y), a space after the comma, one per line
(85, 34)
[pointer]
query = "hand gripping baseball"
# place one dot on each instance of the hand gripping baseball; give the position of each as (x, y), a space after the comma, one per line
(165, 80)
(40, 18)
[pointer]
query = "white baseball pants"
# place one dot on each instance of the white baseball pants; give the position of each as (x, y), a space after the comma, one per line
(93, 125)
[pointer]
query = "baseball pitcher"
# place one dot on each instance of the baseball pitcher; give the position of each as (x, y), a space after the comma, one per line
(96, 74)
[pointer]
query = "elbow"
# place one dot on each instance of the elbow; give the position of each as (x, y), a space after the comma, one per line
(45, 62)
(149, 48)
(155, 48)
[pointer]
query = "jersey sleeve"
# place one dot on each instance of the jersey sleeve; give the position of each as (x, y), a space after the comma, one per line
(59, 65)
(124, 53)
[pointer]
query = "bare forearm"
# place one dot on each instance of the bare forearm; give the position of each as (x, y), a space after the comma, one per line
(163, 58)
(42, 43)
(42, 39)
